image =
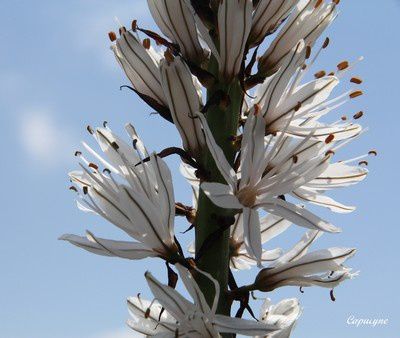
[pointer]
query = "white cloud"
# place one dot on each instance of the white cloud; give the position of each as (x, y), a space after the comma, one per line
(119, 333)
(45, 141)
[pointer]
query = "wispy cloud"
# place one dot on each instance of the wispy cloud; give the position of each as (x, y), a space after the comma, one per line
(45, 141)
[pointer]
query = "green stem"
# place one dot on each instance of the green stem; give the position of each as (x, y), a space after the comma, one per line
(223, 124)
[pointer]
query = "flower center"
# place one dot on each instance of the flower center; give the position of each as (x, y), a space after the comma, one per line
(247, 197)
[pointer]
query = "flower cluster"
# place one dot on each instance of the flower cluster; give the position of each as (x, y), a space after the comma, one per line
(262, 175)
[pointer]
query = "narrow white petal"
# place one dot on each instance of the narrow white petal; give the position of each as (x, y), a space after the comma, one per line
(298, 215)
(221, 195)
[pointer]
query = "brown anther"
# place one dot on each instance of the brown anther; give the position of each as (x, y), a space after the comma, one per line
(308, 52)
(134, 25)
(336, 2)
(343, 65)
(168, 56)
(333, 299)
(295, 159)
(73, 188)
(304, 66)
(363, 163)
(78, 153)
(112, 36)
(326, 43)
(356, 80)
(344, 118)
(298, 106)
(318, 3)
(122, 30)
(257, 109)
(329, 139)
(93, 166)
(85, 190)
(90, 130)
(330, 152)
(373, 153)
(331, 74)
(146, 43)
(147, 313)
(320, 74)
(358, 115)
(355, 94)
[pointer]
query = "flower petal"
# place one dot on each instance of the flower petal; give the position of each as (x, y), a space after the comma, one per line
(297, 215)
(221, 195)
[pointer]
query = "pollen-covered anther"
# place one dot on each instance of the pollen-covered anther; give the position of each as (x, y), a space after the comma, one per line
(73, 188)
(112, 36)
(356, 93)
(168, 56)
(146, 43)
(356, 80)
(320, 74)
(330, 138)
(318, 3)
(343, 65)
(308, 52)
(332, 296)
(93, 166)
(326, 43)
(359, 115)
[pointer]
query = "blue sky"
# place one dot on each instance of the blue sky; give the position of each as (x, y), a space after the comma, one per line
(57, 75)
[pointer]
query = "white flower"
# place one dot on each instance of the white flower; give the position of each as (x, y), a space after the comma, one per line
(267, 17)
(183, 318)
(285, 104)
(234, 24)
(298, 268)
(259, 186)
(270, 227)
(307, 22)
(285, 314)
(176, 21)
(184, 103)
(138, 199)
(140, 64)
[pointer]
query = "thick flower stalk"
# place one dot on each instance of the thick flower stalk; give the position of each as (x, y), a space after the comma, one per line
(258, 149)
